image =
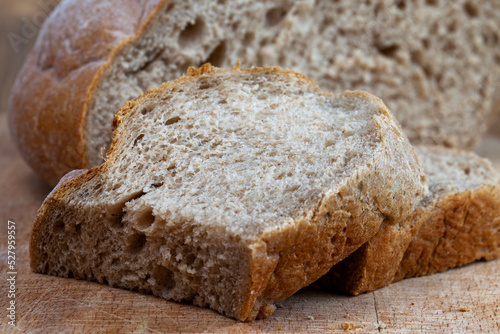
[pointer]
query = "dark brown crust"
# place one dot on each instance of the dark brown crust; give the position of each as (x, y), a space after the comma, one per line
(463, 228)
(286, 260)
(372, 266)
(47, 122)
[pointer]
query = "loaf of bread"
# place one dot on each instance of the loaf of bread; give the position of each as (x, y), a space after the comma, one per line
(433, 62)
(232, 189)
(457, 224)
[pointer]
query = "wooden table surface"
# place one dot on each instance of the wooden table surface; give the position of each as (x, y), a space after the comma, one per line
(464, 300)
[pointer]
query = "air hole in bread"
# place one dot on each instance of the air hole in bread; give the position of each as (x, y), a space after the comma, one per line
(156, 184)
(490, 38)
(116, 219)
(164, 277)
(449, 46)
(497, 59)
(275, 15)
(379, 7)
(218, 55)
(138, 139)
(431, 2)
(146, 110)
(169, 7)
(192, 33)
(360, 186)
(190, 259)
(146, 218)
(172, 120)
(471, 9)
(136, 242)
(388, 51)
(467, 170)
(417, 57)
(401, 4)
(64, 248)
(59, 226)
(249, 38)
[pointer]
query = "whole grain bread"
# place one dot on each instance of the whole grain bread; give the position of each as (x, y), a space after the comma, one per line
(457, 224)
(232, 189)
(433, 62)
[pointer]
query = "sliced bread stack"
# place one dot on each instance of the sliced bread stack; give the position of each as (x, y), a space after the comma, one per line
(231, 189)
(457, 224)
(435, 63)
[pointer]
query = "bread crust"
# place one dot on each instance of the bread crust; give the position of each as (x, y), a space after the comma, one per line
(47, 122)
(451, 231)
(462, 228)
(283, 261)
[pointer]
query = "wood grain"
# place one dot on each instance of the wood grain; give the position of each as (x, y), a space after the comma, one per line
(458, 301)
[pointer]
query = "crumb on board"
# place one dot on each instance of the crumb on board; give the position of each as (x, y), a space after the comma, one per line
(464, 308)
(347, 315)
(310, 317)
(380, 325)
(349, 326)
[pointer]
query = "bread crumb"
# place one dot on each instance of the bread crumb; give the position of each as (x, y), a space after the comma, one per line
(380, 325)
(349, 326)
(464, 308)
(346, 316)
(310, 317)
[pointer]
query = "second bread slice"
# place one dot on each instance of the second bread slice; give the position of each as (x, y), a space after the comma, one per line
(231, 189)
(457, 224)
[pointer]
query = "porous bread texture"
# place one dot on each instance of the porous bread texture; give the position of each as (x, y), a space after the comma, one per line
(435, 63)
(457, 224)
(231, 189)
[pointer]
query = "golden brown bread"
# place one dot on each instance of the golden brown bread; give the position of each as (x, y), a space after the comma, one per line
(194, 203)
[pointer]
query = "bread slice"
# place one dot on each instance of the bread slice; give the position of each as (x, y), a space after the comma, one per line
(457, 224)
(433, 62)
(231, 189)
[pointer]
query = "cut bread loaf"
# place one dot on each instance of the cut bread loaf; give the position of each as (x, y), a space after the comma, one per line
(458, 223)
(432, 62)
(231, 189)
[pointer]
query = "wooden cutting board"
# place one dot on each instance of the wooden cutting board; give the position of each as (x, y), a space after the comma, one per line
(465, 300)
